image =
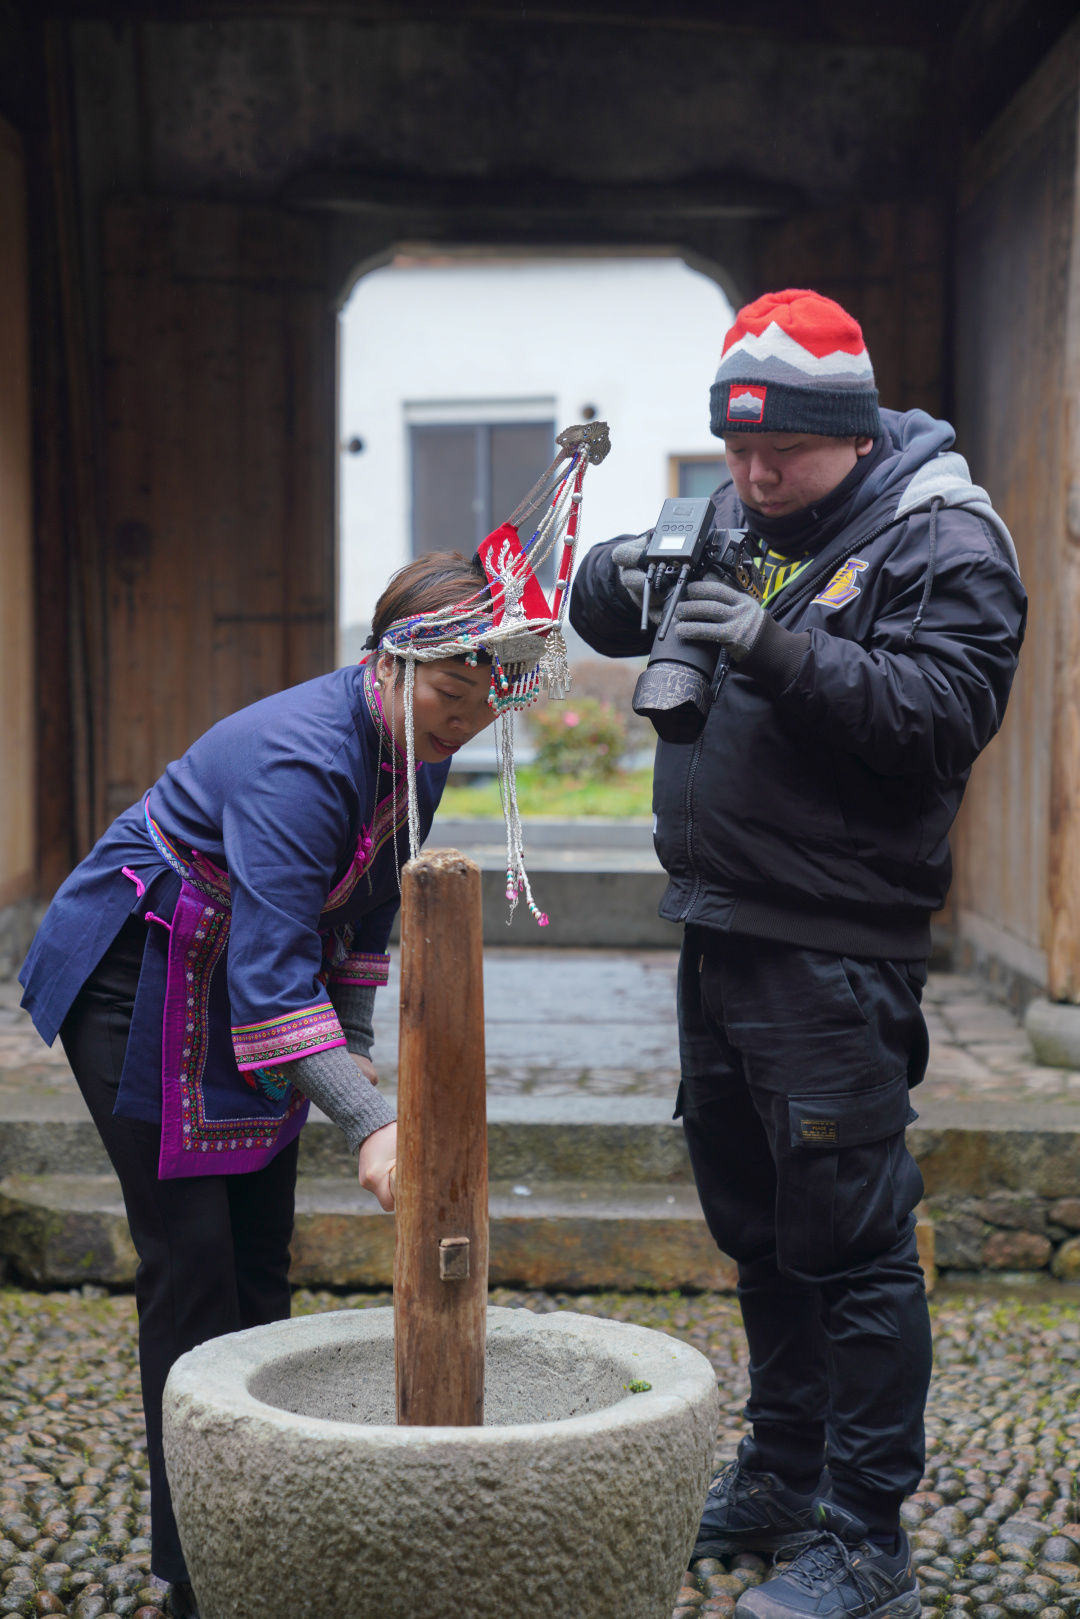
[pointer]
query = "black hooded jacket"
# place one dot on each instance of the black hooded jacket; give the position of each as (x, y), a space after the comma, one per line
(816, 804)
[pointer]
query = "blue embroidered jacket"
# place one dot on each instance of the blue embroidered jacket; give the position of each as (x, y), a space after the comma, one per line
(292, 814)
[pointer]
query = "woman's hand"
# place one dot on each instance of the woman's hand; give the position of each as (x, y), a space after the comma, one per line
(375, 1167)
(366, 1067)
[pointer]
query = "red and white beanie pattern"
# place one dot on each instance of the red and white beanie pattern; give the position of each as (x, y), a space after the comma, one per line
(795, 362)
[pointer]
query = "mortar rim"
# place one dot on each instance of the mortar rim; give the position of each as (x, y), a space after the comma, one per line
(222, 1390)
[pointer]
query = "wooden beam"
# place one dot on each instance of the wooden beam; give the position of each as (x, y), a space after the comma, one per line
(918, 23)
(85, 608)
(540, 196)
(996, 47)
(1064, 876)
(18, 851)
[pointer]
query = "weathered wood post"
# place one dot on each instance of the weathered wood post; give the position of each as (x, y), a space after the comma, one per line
(441, 1253)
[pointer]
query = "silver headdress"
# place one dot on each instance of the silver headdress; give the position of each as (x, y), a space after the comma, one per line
(512, 621)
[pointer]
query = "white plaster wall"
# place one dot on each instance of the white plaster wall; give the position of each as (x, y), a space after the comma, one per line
(639, 339)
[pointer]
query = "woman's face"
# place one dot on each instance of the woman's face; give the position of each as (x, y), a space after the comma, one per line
(450, 704)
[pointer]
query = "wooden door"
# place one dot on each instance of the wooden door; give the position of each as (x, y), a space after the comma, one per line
(219, 562)
(17, 797)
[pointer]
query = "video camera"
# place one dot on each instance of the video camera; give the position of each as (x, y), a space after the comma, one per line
(676, 689)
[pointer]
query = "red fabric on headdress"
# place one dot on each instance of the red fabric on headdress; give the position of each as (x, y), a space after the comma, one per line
(501, 550)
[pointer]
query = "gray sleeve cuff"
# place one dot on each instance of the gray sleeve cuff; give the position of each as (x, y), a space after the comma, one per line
(333, 1082)
(355, 1007)
(775, 656)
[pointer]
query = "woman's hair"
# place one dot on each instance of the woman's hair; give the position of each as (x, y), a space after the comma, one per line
(439, 579)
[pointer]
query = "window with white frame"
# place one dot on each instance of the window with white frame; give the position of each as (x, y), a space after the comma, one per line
(694, 475)
(470, 463)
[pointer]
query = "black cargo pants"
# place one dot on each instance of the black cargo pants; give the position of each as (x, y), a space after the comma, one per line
(213, 1249)
(796, 1067)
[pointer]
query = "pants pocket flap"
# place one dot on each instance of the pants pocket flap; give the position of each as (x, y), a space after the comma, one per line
(846, 1119)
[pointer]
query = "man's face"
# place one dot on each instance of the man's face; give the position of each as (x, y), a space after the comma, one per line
(777, 474)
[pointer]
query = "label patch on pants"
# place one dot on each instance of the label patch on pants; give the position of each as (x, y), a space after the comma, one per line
(831, 1120)
(820, 1131)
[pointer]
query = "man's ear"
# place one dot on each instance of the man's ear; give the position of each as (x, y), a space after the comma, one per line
(863, 446)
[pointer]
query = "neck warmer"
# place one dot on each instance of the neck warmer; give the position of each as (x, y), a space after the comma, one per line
(809, 530)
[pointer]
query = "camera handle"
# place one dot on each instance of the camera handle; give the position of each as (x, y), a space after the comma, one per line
(674, 598)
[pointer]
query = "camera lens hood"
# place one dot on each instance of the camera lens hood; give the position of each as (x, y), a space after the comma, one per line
(675, 698)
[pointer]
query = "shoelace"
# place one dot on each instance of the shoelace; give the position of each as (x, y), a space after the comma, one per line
(724, 1482)
(823, 1556)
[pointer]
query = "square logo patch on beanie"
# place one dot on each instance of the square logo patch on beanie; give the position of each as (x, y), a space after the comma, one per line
(746, 402)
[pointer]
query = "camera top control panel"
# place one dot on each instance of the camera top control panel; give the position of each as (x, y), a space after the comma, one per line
(681, 530)
(685, 546)
(675, 551)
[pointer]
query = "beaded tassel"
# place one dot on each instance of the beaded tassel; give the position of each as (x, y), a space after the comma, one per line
(517, 878)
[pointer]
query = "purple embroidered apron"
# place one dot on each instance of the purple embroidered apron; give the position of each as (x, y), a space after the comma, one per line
(215, 1117)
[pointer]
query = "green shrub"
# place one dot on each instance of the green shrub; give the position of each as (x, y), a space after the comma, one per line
(578, 738)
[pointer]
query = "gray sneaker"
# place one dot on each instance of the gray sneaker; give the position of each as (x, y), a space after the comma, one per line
(837, 1574)
(747, 1511)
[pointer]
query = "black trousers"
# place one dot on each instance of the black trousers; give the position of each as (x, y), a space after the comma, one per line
(796, 1067)
(213, 1250)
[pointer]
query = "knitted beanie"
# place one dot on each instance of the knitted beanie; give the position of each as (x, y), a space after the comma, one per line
(795, 362)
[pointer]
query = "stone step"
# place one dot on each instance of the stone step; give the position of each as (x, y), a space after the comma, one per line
(973, 1148)
(64, 1230)
(587, 1192)
(598, 880)
(60, 1230)
(621, 1139)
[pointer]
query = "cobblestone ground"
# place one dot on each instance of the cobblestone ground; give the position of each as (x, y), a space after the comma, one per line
(995, 1525)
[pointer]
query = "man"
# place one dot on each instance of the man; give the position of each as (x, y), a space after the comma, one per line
(805, 838)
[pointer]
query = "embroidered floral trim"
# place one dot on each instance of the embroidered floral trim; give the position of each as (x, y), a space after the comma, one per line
(361, 860)
(198, 1133)
(361, 968)
(282, 1039)
(391, 813)
(199, 871)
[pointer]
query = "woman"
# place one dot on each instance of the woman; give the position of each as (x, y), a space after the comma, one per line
(211, 968)
(211, 965)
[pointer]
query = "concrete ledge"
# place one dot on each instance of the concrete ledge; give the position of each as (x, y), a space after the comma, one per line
(560, 1235)
(631, 1138)
(974, 1147)
(990, 1152)
(586, 908)
(586, 1192)
(598, 880)
(63, 1230)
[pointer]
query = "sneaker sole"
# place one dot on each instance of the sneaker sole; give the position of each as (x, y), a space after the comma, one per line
(905, 1605)
(728, 1545)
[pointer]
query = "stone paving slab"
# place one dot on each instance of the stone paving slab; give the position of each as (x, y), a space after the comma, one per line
(601, 1023)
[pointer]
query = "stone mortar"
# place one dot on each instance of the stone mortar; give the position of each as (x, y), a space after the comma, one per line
(578, 1499)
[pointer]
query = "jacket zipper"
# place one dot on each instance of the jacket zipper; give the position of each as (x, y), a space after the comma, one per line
(691, 772)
